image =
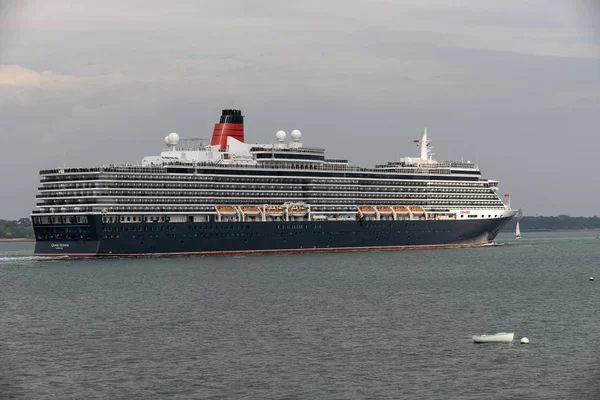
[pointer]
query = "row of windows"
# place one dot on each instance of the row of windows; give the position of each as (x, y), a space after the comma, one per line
(262, 184)
(202, 174)
(314, 157)
(312, 173)
(482, 216)
(63, 230)
(166, 228)
(167, 204)
(268, 191)
(137, 228)
(236, 227)
(262, 198)
(61, 236)
(60, 220)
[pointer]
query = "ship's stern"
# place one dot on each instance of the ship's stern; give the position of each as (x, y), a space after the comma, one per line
(65, 235)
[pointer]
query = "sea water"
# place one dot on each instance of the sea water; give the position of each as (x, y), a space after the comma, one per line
(388, 324)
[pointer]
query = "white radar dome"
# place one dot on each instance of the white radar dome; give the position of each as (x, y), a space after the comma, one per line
(280, 135)
(173, 138)
(167, 140)
(296, 135)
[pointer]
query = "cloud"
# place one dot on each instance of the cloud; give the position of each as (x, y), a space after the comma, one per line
(26, 86)
(133, 31)
(280, 49)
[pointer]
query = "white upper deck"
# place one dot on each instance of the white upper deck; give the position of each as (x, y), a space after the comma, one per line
(188, 151)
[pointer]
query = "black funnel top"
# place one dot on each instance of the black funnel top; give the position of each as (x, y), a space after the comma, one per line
(232, 117)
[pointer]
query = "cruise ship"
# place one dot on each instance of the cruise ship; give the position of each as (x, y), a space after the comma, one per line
(226, 196)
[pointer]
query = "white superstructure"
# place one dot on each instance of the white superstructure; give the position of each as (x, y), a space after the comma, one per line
(234, 180)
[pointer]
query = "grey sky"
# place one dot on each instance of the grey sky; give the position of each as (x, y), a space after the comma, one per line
(512, 84)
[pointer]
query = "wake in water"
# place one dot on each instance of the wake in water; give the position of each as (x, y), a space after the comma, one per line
(11, 259)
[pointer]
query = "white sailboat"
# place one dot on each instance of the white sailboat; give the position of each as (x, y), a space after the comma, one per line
(518, 231)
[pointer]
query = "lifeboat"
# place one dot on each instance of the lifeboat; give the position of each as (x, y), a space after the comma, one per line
(384, 210)
(275, 211)
(367, 210)
(227, 210)
(298, 211)
(417, 210)
(401, 210)
(249, 210)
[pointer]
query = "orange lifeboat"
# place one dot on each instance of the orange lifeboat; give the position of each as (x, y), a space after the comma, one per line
(251, 210)
(417, 210)
(384, 210)
(227, 210)
(401, 210)
(367, 210)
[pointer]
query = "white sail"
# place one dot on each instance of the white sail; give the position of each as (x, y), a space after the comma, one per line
(518, 233)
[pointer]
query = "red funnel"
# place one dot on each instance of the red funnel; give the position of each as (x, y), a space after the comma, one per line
(231, 124)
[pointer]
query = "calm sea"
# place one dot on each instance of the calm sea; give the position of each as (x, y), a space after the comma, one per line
(379, 325)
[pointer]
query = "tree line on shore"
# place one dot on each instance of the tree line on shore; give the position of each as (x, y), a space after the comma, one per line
(559, 223)
(23, 229)
(19, 229)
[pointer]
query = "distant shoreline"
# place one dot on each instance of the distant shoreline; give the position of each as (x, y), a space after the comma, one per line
(16, 240)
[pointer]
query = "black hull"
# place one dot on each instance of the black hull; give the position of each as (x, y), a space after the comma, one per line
(208, 238)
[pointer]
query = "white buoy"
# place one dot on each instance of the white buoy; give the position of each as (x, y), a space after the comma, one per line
(591, 278)
(524, 340)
